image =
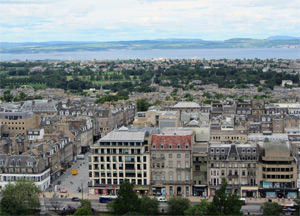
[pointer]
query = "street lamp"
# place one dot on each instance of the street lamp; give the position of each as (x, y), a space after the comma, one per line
(81, 189)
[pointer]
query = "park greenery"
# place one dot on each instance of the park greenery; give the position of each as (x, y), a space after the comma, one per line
(128, 202)
(85, 208)
(271, 208)
(20, 198)
(74, 77)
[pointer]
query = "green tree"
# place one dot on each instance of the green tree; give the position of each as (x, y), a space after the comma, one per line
(84, 210)
(271, 208)
(149, 206)
(199, 209)
(85, 203)
(22, 96)
(178, 205)
(20, 198)
(127, 201)
(225, 203)
(143, 105)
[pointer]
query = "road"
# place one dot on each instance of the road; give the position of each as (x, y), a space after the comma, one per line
(59, 203)
(74, 182)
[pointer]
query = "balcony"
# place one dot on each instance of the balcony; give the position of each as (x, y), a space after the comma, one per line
(233, 176)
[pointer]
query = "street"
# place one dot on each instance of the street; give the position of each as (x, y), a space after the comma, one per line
(74, 182)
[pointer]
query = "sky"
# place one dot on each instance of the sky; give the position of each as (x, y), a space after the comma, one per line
(121, 20)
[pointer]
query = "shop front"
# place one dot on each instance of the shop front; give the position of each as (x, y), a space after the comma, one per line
(278, 193)
(200, 190)
(159, 191)
(249, 192)
(105, 190)
(142, 190)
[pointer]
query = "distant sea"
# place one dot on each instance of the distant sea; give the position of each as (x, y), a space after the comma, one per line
(261, 53)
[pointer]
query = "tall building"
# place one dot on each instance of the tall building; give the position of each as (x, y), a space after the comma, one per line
(237, 164)
(277, 171)
(171, 163)
(121, 154)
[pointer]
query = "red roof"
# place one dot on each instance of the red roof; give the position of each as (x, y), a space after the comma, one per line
(166, 140)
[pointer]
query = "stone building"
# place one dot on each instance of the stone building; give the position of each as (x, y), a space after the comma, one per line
(237, 164)
(121, 154)
(277, 170)
(13, 167)
(171, 164)
(18, 122)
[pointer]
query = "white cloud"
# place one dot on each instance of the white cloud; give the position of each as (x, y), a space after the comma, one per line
(143, 19)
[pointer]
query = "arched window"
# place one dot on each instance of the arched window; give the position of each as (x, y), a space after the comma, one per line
(154, 146)
(162, 146)
(186, 146)
(170, 146)
(178, 146)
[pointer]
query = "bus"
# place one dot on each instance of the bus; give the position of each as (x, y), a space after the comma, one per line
(107, 199)
(288, 209)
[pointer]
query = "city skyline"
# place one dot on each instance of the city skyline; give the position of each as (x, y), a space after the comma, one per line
(66, 20)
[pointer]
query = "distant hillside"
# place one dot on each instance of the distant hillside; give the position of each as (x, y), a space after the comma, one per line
(278, 37)
(70, 46)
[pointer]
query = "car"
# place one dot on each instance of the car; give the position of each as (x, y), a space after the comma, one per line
(162, 199)
(63, 190)
(75, 199)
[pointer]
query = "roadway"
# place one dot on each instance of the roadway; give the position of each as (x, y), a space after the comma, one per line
(64, 203)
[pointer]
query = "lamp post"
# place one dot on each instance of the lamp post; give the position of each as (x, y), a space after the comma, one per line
(81, 189)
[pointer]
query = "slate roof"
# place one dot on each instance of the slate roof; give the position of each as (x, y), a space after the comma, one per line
(39, 106)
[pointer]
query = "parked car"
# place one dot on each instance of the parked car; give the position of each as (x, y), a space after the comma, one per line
(75, 199)
(63, 190)
(162, 199)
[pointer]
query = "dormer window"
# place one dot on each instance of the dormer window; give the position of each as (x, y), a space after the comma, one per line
(248, 150)
(223, 150)
(254, 150)
(178, 146)
(18, 163)
(186, 146)
(243, 150)
(212, 150)
(30, 164)
(154, 146)
(12, 162)
(217, 150)
(170, 146)
(162, 146)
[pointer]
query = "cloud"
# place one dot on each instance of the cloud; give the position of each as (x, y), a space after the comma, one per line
(35, 20)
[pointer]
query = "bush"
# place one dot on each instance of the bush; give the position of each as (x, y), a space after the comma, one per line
(178, 205)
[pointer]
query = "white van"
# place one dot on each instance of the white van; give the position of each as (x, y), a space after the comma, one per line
(80, 157)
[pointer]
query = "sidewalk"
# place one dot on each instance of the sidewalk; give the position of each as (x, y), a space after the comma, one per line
(191, 198)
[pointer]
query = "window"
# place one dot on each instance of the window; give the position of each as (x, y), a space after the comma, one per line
(170, 164)
(212, 150)
(171, 177)
(178, 177)
(178, 146)
(178, 155)
(187, 177)
(178, 164)
(187, 164)
(186, 155)
(170, 146)
(154, 146)
(170, 155)
(223, 150)
(186, 146)
(162, 146)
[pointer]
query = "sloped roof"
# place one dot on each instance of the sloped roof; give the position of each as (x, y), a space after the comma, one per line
(186, 105)
(166, 140)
